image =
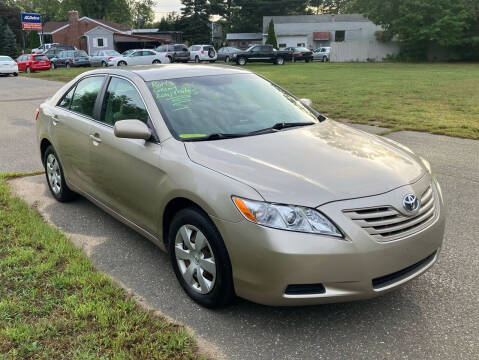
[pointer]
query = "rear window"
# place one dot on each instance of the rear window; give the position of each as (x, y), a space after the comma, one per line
(40, 57)
(80, 53)
(302, 49)
(5, 58)
(180, 48)
(207, 47)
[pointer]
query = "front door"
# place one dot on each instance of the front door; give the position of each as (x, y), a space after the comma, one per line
(126, 170)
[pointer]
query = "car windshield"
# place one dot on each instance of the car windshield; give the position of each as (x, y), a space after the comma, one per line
(80, 53)
(225, 104)
(127, 52)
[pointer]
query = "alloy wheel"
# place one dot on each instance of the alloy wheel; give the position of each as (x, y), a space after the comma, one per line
(195, 259)
(54, 174)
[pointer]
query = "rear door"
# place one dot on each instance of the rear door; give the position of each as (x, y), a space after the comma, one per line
(149, 57)
(71, 122)
(126, 171)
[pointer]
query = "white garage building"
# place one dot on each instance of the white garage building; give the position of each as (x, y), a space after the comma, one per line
(352, 37)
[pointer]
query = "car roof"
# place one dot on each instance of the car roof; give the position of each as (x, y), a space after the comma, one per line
(171, 71)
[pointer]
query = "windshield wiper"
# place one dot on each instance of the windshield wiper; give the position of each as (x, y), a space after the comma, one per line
(281, 126)
(216, 136)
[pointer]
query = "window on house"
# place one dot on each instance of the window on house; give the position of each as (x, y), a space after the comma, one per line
(339, 35)
(101, 42)
(282, 46)
(300, 44)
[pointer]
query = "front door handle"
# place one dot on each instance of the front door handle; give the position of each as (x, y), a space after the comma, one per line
(96, 139)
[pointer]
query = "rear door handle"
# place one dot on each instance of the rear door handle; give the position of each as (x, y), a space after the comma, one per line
(96, 139)
(55, 120)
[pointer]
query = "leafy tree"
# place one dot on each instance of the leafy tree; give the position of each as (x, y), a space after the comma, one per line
(271, 35)
(195, 21)
(142, 13)
(115, 10)
(422, 24)
(328, 6)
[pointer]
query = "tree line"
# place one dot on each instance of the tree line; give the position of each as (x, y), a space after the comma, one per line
(418, 25)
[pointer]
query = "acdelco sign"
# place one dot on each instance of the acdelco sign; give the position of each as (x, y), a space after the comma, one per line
(31, 21)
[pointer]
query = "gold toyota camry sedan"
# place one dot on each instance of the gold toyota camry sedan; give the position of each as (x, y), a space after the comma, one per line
(250, 190)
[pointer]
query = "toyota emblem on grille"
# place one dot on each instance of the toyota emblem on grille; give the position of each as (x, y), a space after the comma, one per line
(410, 202)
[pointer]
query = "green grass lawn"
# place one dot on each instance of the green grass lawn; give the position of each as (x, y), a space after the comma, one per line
(437, 98)
(54, 305)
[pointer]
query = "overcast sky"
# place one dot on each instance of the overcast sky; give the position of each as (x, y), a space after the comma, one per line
(166, 6)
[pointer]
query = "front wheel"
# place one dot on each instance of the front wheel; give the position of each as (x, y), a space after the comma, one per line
(28, 70)
(68, 65)
(15, 74)
(122, 63)
(279, 61)
(325, 59)
(227, 59)
(199, 258)
(156, 62)
(52, 66)
(103, 64)
(197, 59)
(55, 177)
(241, 61)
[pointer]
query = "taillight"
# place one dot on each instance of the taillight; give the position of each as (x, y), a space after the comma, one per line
(202, 51)
(166, 55)
(37, 112)
(300, 53)
(110, 57)
(72, 59)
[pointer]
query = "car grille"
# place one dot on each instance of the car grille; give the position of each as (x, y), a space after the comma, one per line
(385, 223)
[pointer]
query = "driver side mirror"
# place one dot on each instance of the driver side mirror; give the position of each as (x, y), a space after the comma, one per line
(132, 129)
(306, 102)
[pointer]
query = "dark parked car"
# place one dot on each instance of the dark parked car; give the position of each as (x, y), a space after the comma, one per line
(176, 52)
(70, 58)
(226, 53)
(33, 62)
(262, 53)
(300, 54)
(54, 51)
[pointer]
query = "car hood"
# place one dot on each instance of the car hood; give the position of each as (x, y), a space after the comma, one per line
(311, 165)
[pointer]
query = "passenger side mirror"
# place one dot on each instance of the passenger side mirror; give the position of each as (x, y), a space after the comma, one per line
(306, 102)
(132, 129)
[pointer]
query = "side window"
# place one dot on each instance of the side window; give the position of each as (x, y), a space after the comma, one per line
(85, 95)
(67, 99)
(122, 102)
(148, 53)
(256, 49)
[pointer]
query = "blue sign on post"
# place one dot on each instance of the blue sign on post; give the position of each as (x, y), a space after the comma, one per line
(31, 21)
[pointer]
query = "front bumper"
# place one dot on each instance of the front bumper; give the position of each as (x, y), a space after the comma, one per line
(266, 261)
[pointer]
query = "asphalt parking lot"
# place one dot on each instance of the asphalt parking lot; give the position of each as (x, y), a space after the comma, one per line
(433, 317)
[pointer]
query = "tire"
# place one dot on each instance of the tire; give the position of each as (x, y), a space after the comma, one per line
(241, 61)
(156, 62)
(227, 59)
(122, 63)
(55, 178)
(28, 70)
(104, 64)
(307, 60)
(197, 59)
(279, 61)
(68, 66)
(325, 59)
(171, 59)
(207, 289)
(15, 74)
(52, 66)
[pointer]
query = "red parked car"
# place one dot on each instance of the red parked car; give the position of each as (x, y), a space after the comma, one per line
(33, 62)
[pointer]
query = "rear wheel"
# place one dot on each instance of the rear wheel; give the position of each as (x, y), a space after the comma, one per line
(156, 62)
(279, 61)
(197, 59)
(325, 59)
(52, 66)
(28, 70)
(121, 63)
(103, 64)
(68, 65)
(55, 178)
(15, 74)
(199, 258)
(227, 59)
(307, 60)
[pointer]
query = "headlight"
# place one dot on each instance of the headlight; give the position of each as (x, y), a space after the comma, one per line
(286, 217)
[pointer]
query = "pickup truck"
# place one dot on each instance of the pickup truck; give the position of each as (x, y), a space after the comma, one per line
(262, 53)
